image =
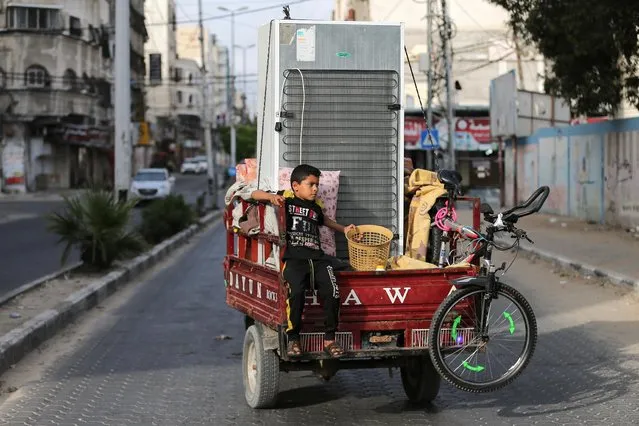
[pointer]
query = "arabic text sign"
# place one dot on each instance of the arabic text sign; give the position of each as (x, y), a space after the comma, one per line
(477, 128)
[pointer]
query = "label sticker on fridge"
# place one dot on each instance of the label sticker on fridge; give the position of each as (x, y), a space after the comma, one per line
(306, 44)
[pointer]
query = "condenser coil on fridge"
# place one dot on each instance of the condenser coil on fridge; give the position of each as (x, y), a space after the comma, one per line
(330, 94)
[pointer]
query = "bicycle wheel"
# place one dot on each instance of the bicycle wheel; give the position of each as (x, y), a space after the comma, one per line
(482, 361)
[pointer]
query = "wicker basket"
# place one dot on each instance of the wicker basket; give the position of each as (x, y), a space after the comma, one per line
(372, 249)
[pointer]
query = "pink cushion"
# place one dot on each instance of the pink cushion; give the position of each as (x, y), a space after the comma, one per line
(329, 187)
(247, 171)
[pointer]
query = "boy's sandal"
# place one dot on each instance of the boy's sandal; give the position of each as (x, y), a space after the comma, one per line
(334, 350)
(294, 348)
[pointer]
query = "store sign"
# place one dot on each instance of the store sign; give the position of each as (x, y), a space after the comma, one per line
(471, 134)
(79, 134)
(478, 129)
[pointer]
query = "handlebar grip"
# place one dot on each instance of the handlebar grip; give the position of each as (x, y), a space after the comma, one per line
(529, 201)
(528, 208)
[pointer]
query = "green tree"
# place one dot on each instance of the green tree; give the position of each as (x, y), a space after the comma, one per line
(246, 140)
(591, 45)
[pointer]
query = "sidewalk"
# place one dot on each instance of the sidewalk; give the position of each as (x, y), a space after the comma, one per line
(49, 195)
(595, 250)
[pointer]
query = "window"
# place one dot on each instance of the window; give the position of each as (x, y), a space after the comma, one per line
(190, 78)
(69, 80)
(178, 74)
(94, 34)
(190, 100)
(3, 79)
(36, 76)
(155, 68)
(75, 28)
(87, 84)
(33, 18)
(179, 97)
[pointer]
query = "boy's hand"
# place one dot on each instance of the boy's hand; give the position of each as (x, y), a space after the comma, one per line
(276, 200)
(352, 227)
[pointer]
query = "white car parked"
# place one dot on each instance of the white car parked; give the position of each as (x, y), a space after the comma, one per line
(204, 165)
(191, 165)
(149, 184)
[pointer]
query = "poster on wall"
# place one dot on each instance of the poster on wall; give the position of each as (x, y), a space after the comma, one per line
(13, 174)
(413, 128)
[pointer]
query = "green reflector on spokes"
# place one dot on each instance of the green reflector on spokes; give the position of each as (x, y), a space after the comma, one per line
(509, 317)
(453, 331)
(475, 368)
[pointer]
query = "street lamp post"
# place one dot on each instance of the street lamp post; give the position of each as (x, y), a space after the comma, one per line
(232, 59)
(244, 49)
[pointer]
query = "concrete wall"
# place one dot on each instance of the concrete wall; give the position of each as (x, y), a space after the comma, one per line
(622, 176)
(592, 170)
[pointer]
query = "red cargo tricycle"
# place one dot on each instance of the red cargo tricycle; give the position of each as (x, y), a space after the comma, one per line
(460, 323)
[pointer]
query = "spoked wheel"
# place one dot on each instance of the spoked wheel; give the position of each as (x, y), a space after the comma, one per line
(420, 379)
(260, 370)
(479, 344)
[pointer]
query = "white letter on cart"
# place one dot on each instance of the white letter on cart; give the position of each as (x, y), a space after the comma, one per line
(312, 298)
(397, 295)
(352, 296)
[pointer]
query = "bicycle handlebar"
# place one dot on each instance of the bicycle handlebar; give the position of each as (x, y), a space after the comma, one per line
(472, 234)
(532, 205)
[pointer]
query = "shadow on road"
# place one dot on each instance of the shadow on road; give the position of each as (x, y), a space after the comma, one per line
(570, 370)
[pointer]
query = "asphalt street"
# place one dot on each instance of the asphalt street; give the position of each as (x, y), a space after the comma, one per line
(149, 356)
(28, 251)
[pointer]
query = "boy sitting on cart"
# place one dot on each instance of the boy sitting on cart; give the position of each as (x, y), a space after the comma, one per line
(304, 261)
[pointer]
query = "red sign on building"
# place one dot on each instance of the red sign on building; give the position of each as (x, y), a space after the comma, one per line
(413, 127)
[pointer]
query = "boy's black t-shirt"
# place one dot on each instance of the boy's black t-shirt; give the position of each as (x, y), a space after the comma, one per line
(303, 219)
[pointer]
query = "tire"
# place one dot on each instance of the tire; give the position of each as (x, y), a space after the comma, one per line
(420, 380)
(260, 371)
(248, 321)
(511, 374)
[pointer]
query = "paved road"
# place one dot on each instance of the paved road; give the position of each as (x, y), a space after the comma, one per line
(149, 356)
(28, 251)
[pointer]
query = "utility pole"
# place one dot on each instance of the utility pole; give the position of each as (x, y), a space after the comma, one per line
(122, 77)
(450, 107)
(232, 100)
(429, 44)
(210, 161)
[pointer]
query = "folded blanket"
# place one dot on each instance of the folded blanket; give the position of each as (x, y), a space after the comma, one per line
(244, 191)
(426, 189)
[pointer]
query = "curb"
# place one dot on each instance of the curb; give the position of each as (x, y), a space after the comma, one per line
(38, 282)
(584, 269)
(21, 340)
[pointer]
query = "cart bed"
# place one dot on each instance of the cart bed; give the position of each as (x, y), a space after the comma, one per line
(382, 312)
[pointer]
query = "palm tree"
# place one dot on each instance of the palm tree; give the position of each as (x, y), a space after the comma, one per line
(97, 224)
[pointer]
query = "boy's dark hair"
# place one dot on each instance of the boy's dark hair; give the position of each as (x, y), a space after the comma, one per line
(303, 171)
